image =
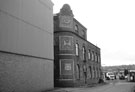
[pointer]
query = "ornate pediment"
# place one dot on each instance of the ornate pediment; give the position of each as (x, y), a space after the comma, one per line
(66, 10)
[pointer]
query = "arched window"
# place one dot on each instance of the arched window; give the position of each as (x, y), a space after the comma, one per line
(93, 72)
(89, 54)
(92, 56)
(90, 71)
(83, 52)
(78, 71)
(77, 49)
(76, 28)
(99, 58)
(96, 57)
(97, 72)
(83, 33)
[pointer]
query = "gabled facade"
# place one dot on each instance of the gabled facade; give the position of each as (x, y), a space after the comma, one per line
(76, 61)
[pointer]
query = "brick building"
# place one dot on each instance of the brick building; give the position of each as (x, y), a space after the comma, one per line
(77, 61)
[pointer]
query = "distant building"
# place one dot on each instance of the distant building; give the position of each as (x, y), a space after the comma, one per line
(77, 61)
(26, 45)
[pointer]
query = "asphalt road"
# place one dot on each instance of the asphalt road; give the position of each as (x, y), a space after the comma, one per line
(112, 86)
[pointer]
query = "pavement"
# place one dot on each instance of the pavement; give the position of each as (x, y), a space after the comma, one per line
(133, 89)
(75, 89)
(108, 86)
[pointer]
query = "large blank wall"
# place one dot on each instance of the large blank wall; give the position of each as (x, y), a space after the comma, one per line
(25, 74)
(26, 45)
(26, 27)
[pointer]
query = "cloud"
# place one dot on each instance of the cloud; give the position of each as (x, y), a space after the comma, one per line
(118, 58)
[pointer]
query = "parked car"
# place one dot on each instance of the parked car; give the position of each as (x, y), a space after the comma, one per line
(110, 76)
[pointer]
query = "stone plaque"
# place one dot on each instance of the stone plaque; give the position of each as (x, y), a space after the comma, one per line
(67, 66)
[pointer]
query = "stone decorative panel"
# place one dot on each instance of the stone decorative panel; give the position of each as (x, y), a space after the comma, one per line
(66, 67)
(66, 42)
(66, 17)
(66, 10)
(66, 22)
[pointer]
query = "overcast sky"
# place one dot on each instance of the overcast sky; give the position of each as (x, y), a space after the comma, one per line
(110, 25)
